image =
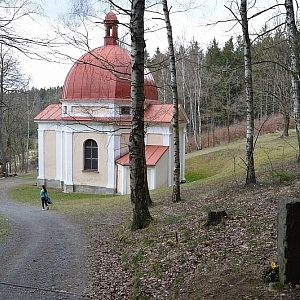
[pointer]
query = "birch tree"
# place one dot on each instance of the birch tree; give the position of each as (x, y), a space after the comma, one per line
(2, 105)
(141, 214)
(250, 177)
(292, 34)
(172, 66)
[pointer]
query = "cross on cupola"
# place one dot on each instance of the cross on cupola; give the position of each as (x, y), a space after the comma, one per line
(111, 29)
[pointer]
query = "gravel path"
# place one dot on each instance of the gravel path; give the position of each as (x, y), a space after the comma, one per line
(43, 257)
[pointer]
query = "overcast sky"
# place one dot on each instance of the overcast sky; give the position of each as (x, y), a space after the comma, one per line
(186, 25)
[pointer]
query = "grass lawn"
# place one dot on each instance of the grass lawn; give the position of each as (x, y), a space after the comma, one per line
(271, 151)
(75, 204)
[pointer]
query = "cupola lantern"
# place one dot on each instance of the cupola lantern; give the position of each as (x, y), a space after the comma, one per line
(111, 29)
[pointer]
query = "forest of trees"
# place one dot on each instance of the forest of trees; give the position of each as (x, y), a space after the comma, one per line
(18, 130)
(211, 84)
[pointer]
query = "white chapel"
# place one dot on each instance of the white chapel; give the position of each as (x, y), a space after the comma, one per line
(83, 141)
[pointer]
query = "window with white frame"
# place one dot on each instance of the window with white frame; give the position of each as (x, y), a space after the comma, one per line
(90, 155)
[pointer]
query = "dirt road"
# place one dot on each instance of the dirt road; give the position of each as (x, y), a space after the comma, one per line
(43, 257)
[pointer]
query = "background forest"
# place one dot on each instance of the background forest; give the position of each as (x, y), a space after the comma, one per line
(210, 85)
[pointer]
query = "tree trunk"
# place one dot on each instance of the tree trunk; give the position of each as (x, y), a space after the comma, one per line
(147, 193)
(286, 124)
(292, 33)
(2, 152)
(141, 214)
(198, 95)
(250, 178)
(176, 184)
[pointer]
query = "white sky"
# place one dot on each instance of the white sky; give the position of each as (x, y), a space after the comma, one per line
(185, 25)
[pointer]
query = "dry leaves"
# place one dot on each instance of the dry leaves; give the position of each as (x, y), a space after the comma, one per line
(178, 258)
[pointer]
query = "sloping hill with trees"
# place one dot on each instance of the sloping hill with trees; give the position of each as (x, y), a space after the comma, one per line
(178, 257)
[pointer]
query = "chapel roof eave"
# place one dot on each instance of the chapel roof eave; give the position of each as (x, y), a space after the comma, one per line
(154, 113)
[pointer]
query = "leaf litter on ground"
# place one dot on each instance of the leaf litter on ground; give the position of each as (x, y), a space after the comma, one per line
(176, 257)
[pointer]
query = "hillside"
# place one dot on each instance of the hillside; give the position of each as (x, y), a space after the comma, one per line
(179, 258)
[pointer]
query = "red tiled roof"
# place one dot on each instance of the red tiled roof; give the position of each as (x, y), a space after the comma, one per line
(161, 113)
(155, 113)
(51, 112)
(152, 153)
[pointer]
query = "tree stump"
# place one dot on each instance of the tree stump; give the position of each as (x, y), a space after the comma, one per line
(215, 217)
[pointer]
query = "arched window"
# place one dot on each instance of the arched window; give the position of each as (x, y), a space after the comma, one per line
(90, 155)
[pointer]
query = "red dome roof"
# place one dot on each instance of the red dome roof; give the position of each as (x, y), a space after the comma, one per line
(104, 73)
(111, 17)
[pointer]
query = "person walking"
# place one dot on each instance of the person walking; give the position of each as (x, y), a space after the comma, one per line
(44, 196)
